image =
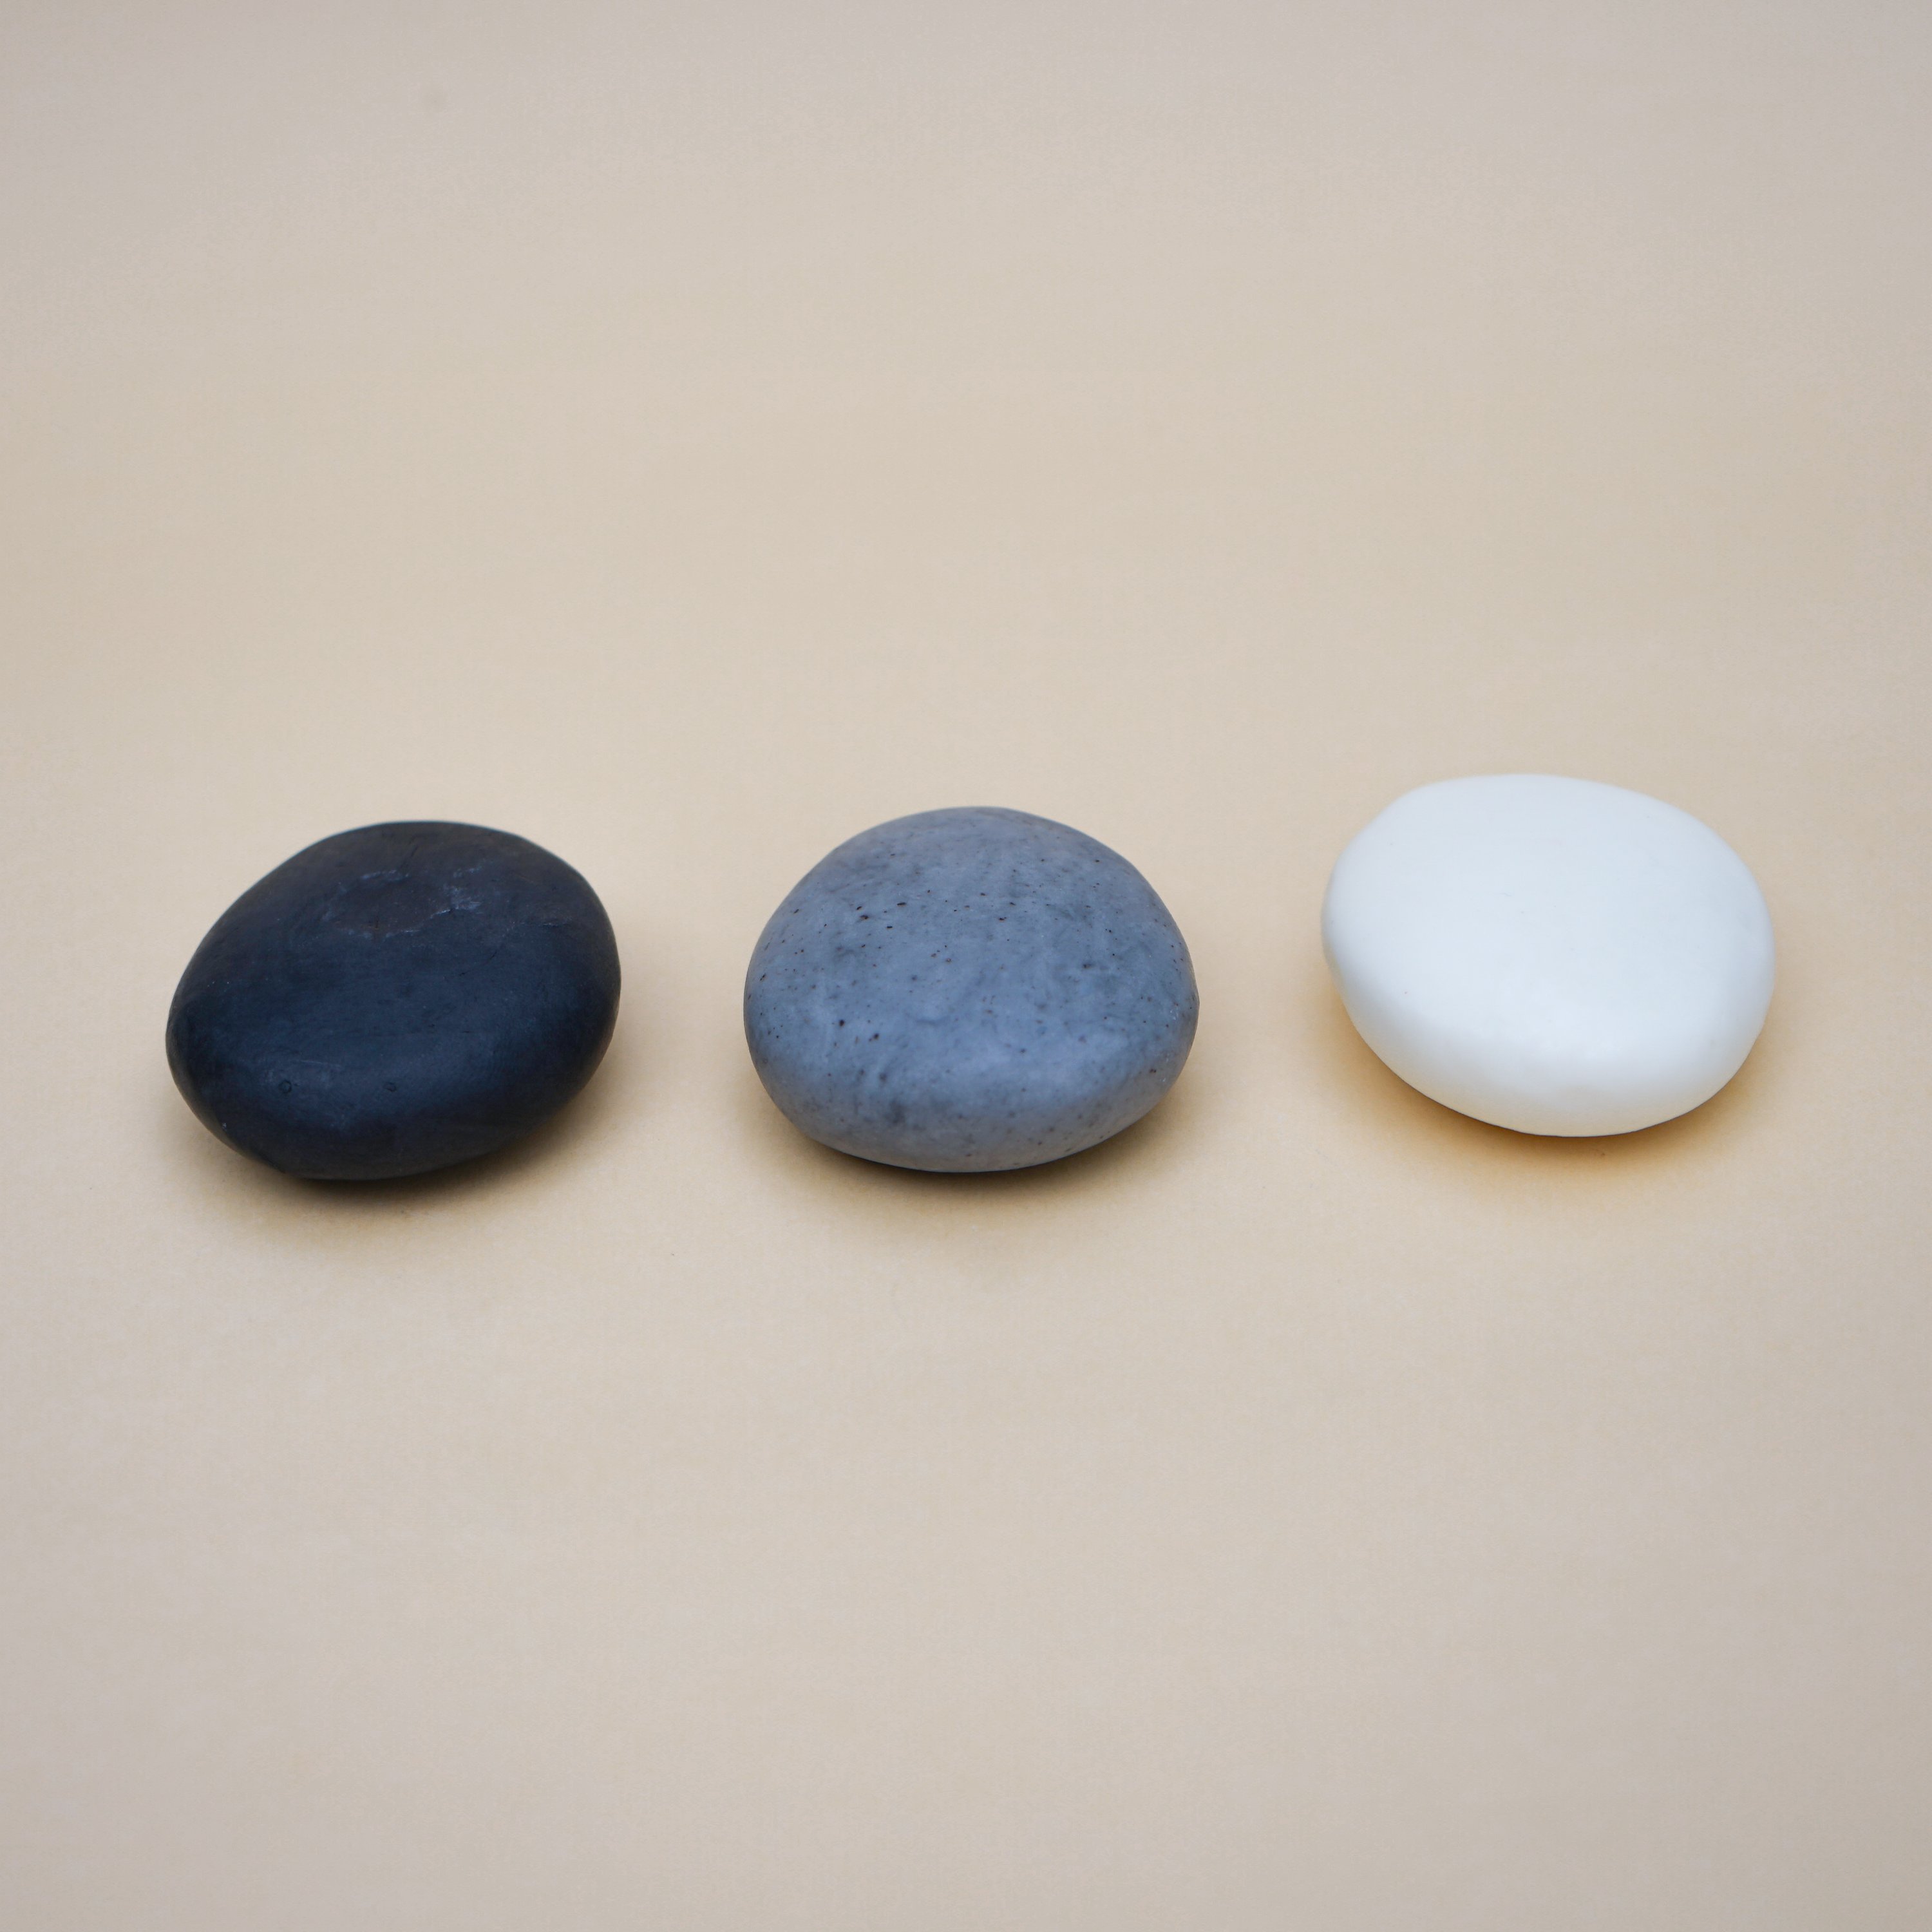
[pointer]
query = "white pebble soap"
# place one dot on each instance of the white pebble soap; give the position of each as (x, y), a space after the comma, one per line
(1548, 954)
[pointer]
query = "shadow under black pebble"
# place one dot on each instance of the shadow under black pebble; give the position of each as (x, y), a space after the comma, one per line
(395, 1000)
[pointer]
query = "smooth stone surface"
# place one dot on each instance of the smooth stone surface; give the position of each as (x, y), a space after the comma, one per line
(395, 1000)
(1548, 954)
(968, 990)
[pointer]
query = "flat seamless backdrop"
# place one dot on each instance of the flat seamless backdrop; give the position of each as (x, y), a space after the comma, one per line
(685, 440)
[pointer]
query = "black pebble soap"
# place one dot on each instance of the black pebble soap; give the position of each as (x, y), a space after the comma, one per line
(395, 1000)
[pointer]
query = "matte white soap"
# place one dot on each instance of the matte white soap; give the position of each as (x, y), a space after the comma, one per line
(1548, 954)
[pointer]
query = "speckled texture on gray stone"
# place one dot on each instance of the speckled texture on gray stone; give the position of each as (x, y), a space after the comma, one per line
(968, 990)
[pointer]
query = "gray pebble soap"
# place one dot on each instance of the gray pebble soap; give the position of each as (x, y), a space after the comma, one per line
(395, 1000)
(968, 991)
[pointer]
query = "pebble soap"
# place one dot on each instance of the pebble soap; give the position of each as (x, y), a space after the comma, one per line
(1551, 954)
(395, 1000)
(968, 991)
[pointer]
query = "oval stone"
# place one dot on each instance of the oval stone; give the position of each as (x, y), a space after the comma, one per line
(968, 990)
(395, 1000)
(1550, 954)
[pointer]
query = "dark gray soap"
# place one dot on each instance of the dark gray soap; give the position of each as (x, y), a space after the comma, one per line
(969, 990)
(395, 1000)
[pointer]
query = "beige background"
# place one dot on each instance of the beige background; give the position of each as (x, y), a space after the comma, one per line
(687, 436)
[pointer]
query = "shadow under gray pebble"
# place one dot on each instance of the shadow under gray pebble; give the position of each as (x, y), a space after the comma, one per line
(969, 991)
